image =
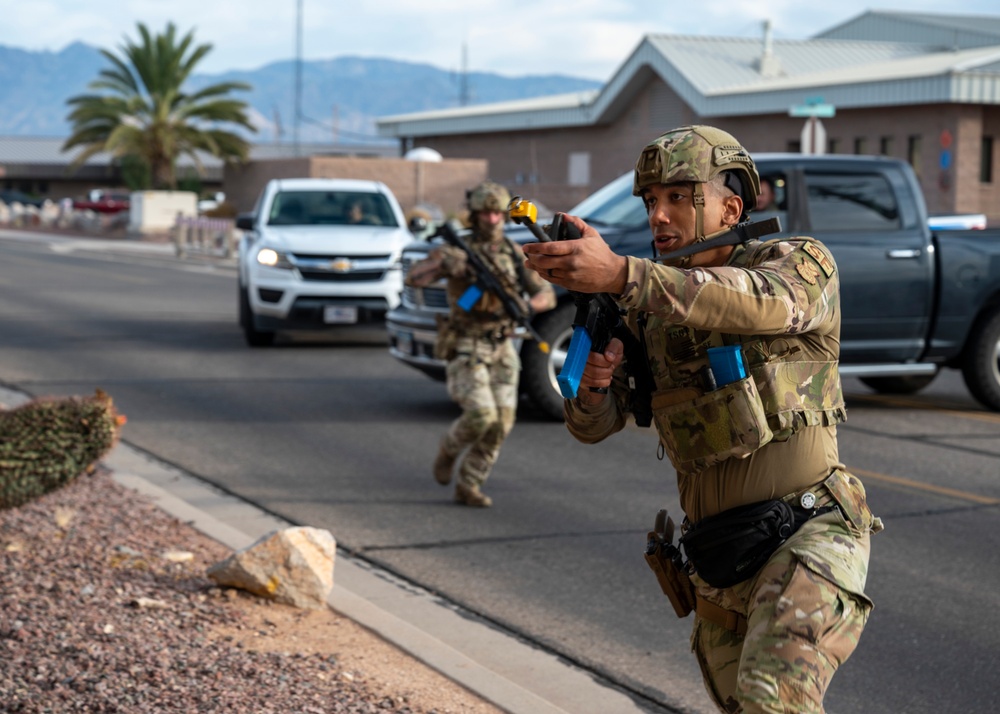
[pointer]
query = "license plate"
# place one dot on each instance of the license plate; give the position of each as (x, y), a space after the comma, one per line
(404, 342)
(340, 315)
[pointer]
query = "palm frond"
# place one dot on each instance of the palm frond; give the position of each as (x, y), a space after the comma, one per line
(138, 106)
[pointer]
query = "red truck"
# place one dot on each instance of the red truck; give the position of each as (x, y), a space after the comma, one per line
(103, 201)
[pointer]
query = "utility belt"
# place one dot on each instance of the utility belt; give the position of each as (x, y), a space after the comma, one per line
(731, 547)
(451, 334)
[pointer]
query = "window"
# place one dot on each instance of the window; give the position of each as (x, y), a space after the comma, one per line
(986, 160)
(833, 146)
(337, 208)
(794, 147)
(913, 152)
(849, 202)
(885, 146)
(772, 201)
(613, 205)
(860, 145)
(579, 168)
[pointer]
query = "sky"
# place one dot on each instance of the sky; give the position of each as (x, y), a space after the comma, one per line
(581, 38)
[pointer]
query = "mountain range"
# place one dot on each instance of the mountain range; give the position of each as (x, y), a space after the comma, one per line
(341, 97)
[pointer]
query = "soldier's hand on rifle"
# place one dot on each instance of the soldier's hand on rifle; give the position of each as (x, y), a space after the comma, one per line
(454, 263)
(595, 382)
(586, 265)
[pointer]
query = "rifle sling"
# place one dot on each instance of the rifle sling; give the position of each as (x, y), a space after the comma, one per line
(742, 233)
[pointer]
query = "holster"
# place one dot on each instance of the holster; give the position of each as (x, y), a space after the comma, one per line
(667, 564)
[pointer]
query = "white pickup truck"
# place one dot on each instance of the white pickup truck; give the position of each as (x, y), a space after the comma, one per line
(318, 254)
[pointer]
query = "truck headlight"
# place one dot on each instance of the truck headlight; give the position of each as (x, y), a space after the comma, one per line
(273, 259)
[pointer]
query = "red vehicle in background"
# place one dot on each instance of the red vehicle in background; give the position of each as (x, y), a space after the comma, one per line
(103, 201)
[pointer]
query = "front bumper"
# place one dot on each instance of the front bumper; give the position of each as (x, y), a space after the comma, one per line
(412, 336)
(280, 300)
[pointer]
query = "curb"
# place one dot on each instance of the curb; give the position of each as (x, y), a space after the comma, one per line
(497, 666)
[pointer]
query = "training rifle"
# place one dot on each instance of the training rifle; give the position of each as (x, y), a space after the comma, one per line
(487, 280)
(598, 319)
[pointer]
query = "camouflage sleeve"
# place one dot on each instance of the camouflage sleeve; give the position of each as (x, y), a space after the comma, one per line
(444, 261)
(793, 287)
(590, 425)
(454, 262)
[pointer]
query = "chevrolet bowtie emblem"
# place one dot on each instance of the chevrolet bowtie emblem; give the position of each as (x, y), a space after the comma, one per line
(341, 265)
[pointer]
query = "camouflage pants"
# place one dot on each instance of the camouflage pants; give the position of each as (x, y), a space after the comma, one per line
(482, 379)
(805, 612)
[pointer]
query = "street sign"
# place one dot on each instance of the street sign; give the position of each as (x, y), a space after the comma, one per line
(824, 111)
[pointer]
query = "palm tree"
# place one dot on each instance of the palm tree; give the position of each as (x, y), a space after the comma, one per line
(147, 114)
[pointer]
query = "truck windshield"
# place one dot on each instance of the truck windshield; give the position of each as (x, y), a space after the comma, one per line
(613, 205)
(330, 208)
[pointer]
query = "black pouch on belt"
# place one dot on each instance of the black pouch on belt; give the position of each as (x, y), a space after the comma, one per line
(730, 547)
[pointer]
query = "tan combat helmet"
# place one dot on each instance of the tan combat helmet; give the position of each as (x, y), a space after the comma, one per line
(488, 196)
(697, 154)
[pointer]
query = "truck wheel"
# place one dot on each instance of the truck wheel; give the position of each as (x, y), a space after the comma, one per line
(539, 370)
(254, 337)
(981, 366)
(908, 384)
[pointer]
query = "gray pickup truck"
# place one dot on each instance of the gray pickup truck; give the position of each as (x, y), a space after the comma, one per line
(914, 300)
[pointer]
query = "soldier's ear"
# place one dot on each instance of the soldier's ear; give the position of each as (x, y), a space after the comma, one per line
(732, 212)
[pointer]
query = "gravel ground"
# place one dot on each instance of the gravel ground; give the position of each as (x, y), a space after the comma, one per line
(104, 607)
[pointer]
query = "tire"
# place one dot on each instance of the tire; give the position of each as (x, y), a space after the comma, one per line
(539, 370)
(910, 384)
(254, 337)
(981, 364)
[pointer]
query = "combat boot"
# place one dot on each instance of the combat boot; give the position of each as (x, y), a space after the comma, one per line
(443, 466)
(472, 496)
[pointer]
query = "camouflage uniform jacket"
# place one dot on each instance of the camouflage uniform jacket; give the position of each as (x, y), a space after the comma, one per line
(487, 321)
(758, 438)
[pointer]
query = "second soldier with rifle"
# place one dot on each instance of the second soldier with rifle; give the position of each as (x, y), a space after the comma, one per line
(490, 294)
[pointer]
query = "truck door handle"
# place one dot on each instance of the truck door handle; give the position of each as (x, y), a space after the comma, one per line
(903, 253)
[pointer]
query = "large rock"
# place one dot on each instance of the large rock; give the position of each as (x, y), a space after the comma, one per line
(293, 566)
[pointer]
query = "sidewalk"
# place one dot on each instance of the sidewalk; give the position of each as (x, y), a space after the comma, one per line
(500, 668)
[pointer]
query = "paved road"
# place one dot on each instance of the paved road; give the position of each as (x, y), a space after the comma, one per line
(334, 433)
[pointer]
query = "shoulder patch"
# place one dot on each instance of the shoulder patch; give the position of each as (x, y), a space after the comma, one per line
(817, 254)
(808, 271)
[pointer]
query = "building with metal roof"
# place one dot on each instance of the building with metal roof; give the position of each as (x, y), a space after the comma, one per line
(921, 87)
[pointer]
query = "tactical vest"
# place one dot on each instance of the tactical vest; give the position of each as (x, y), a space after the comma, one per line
(487, 317)
(791, 382)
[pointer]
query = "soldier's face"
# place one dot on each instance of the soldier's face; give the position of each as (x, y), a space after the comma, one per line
(672, 218)
(489, 219)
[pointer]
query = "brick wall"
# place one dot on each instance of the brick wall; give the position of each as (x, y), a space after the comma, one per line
(413, 182)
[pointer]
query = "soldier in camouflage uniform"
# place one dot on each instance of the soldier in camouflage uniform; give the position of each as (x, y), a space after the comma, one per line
(771, 641)
(483, 365)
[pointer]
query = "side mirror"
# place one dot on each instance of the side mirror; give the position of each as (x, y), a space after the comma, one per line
(244, 221)
(417, 225)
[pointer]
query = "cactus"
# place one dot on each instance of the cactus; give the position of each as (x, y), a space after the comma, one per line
(46, 443)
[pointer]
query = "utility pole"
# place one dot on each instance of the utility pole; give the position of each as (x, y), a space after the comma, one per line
(298, 76)
(463, 86)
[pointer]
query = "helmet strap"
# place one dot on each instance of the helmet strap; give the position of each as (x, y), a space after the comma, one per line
(699, 212)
